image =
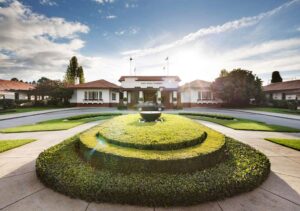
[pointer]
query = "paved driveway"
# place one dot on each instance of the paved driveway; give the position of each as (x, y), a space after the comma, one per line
(71, 112)
(21, 190)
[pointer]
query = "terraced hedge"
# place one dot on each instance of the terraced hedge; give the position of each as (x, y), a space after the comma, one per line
(217, 116)
(174, 132)
(102, 153)
(61, 169)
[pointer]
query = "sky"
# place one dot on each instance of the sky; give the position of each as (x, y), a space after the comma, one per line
(193, 39)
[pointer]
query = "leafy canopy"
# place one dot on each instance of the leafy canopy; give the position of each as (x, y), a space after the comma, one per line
(237, 87)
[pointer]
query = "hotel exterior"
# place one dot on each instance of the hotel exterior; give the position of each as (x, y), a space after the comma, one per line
(133, 90)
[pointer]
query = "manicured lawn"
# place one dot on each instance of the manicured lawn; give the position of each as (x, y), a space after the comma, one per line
(59, 124)
(174, 131)
(10, 144)
(276, 110)
(245, 124)
(23, 110)
(291, 143)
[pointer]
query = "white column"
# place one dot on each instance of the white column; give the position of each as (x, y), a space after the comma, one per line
(141, 95)
(125, 96)
(158, 97)
(201, 95)
(175, 97)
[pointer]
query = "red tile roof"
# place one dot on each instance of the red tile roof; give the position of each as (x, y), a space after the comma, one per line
(280, 86)
(149, 78)
(6, 85)
(196, 84)
(99, 84)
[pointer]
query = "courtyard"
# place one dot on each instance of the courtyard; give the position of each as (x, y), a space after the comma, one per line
(22, 190)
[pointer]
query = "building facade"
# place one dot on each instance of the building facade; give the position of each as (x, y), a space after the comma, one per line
(157, 89)
(133, 90)
(198, 94)
(288, 90)
(14, 90)
(95, 93)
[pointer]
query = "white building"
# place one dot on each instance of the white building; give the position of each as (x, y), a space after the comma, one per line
(14, 90)
(288, 90)
(95, 93)
(162, 90)
(198, 93)
(157, 89)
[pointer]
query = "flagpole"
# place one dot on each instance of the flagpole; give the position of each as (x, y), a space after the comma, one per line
(130, 70)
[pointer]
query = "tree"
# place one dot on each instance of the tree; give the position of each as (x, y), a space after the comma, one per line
(14, 79)
(276, 77)
(238, 87)
(74, 71)
(43, 80)
(223, 73)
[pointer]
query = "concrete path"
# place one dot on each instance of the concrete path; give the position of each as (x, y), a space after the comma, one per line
(286, 116)
(21, 190)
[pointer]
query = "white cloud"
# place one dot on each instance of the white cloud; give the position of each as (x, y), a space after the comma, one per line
(228, 26)
(130, 31)
(30, 43)
(111, 17)
(130, 5)
(48, 2)
(104, 1)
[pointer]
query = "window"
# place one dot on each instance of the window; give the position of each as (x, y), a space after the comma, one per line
(199, 95)
(113, 96)
(92, 95)
(206, 95)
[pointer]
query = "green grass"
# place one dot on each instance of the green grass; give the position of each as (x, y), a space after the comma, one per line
(24, 110)
(291, 143)
(59, 124)
(101, 153)
(173, 132)
(246, 124)
(10, 144)
(61, 169)
(276, 110)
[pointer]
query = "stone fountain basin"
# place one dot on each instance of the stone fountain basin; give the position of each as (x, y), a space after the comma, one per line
(150, 116)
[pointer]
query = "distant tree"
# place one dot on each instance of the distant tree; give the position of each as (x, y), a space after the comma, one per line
(223, 73)
(43, 80)
(276, 77)
(14, 79)
(238, 87)
(74, 71)
(81, 75)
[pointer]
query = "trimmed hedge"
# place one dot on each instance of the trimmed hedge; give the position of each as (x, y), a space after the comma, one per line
(61, 169)
(217, 116)
(102, 154)
(174, 132)
(85, 116)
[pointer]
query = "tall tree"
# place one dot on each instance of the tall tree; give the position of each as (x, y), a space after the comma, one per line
(74, 71)
(238, 87)
(276, 77)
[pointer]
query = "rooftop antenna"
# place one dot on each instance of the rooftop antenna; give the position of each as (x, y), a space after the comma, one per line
(130, 71)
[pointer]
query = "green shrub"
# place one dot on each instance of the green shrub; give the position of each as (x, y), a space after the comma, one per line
(173, 132)
(61, 169)
(217, 116)
(102, 153)
(85, 116)
(122, 107)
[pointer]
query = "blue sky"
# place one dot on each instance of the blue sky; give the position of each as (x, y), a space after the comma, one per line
(199, 37)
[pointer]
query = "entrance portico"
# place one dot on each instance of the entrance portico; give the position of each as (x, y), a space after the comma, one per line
(162, 90)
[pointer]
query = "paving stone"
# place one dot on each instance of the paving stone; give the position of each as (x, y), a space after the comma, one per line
(116, 207)
(15, 188)
(257, 200)
(210, 206)
(48, 200)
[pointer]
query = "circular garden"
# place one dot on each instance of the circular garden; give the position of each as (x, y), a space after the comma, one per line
(173, 162)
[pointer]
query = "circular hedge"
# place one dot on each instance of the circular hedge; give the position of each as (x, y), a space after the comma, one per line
(103, 153)
(174, 132)
(61, 169)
